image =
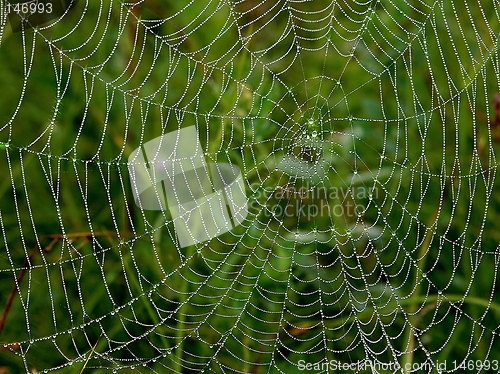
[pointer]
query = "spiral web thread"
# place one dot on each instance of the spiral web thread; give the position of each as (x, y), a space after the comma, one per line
(379, 110)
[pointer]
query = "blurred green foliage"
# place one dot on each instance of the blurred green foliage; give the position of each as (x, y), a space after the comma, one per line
(410, 123)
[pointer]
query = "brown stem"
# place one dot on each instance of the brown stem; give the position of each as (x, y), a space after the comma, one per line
(13, 291)
(55, 238)
(133, 30)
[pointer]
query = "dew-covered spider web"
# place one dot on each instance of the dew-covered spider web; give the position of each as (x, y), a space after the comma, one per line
(362, 136)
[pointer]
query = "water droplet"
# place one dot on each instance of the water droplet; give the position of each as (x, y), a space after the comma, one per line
(314, 134)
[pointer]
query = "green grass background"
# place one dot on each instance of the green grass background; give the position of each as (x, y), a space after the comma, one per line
(418, 134)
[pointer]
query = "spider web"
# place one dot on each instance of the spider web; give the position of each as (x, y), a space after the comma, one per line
(367, 146)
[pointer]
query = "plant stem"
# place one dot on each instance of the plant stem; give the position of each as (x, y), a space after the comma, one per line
(417, 286)
(181, 319)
